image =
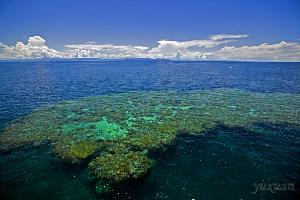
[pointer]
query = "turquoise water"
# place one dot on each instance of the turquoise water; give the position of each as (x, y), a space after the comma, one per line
(251, 135)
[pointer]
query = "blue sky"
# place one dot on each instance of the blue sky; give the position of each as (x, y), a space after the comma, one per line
(144, 23)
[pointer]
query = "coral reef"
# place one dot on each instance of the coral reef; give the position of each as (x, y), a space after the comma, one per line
(74, 153)
(117, 131)
(99, 130)
(151, 140)
(118, 168)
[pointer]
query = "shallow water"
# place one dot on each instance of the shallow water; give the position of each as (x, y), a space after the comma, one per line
(222, 163)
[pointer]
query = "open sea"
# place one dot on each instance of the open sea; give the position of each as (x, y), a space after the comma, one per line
(225, 162)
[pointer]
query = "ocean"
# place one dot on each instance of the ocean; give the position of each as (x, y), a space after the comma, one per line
(238, 136)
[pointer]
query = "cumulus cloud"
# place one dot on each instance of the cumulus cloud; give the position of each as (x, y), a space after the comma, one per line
(35, 48)
(36, 41)
(216, 47)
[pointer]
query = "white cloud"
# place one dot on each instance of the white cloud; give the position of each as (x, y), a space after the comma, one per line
(106, 51)
(227, 36)
(283, 51)
(35, 48)
(36, 41)
(215, 48)
(169, 46)
(192, 49)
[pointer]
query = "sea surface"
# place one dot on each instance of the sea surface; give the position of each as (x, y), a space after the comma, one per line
(223, 163)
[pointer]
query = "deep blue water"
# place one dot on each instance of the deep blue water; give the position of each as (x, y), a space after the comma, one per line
(223, 164)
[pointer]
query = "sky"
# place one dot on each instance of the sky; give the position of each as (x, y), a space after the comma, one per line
(267, 30)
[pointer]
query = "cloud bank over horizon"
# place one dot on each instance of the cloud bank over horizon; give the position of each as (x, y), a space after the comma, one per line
(216, 47)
